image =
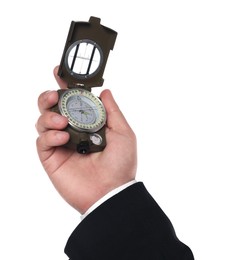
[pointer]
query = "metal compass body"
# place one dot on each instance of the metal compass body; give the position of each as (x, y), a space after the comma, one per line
(82, 66)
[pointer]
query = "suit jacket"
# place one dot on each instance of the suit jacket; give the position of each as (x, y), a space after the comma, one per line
(128, 226)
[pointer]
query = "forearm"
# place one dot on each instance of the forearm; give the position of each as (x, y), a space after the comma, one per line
(106, 197)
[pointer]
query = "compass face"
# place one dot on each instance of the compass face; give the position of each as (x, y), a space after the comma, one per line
(85, 112)
(83, 59)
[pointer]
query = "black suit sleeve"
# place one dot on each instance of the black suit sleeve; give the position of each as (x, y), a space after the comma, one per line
(128, 226)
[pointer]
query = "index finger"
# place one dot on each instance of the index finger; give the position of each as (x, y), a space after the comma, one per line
(46, 100)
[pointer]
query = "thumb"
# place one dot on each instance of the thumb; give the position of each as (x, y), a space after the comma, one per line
(115, 118)
(60, 82)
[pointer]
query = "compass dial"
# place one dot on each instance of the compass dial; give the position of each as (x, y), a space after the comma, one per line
(85, 112)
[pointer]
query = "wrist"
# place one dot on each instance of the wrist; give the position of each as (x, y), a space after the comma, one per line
(106, 197)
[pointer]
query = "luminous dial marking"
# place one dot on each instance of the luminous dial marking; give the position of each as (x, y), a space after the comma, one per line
(85, 112)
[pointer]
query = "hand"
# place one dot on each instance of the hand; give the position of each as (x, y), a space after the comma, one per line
(83, 179)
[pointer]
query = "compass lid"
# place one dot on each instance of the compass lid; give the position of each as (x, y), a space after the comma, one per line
(85, 54)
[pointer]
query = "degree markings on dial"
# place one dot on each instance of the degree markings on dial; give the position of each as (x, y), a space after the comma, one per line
(85, 115)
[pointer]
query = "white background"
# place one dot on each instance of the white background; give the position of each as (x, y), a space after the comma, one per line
(168, 73)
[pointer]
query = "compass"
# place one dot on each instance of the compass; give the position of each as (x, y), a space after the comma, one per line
(82, 66)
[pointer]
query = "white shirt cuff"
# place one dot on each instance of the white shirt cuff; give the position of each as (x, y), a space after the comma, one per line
(106, 197)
